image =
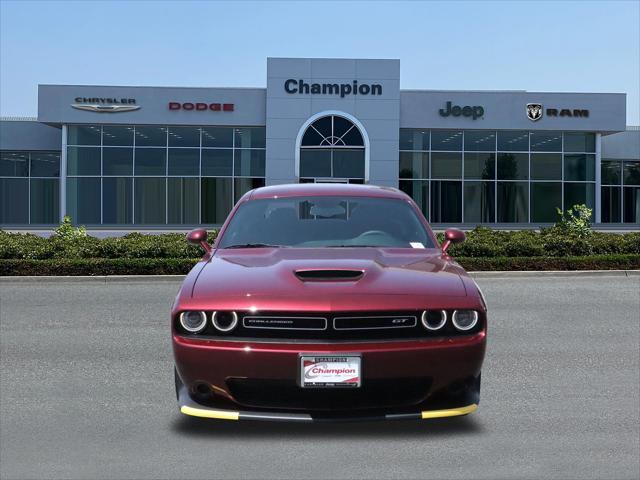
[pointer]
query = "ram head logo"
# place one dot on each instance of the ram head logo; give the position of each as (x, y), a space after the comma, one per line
(534, 111)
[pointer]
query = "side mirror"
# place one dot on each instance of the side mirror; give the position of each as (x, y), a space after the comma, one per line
(199, 237)
(452, 235)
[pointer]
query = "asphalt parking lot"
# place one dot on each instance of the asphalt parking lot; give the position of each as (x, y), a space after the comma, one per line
(87, 392)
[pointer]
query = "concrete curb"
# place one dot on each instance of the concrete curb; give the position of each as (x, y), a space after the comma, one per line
(180, 278)
(555, 273)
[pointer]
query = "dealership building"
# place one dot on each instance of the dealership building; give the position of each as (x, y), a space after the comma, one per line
(131, 157)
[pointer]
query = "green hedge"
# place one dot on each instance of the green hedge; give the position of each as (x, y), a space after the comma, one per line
(481, 243)
(176, 266)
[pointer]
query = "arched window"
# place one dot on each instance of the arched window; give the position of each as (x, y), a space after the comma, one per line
(332, 149)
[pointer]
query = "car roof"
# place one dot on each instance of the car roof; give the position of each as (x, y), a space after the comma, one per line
(326, 189)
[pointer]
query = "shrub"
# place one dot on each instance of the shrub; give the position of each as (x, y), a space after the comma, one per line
(576, 221)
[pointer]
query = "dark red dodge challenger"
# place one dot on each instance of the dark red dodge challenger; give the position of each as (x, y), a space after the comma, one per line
(327, 302)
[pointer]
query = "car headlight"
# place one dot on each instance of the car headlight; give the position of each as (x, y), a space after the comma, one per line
(224, 321)
(464, 319)
(434, 319)
(193, 321)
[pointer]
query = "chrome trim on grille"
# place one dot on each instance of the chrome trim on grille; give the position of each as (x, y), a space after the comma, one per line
(415, 322)
(244, 323)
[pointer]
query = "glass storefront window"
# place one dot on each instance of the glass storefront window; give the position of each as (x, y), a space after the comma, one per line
(631, 173)
(479, 166)
(14, 201)
(418, 190)
(414, 165)
(243, 185)
(414, 139)
(479, 202)
(545, 198)
(513, 166)
(446, 165)
(83, 161)
(83, 200)
(631, 203)
(117, 161)
(250, 163)
(513, 202)
(217, 162)
(118, 136)
(578, 194)
(184, 137)
(150, 161)
(150, 201)
(579, 167)
(348, 163)
(611, 172)
(117, 196)
(45, 206)
(580, 142)
(546, 141)
(250, 137)
(184, 161)
(151, 136)
(480, 140)
(220, 137)
(45, 164)
(450, 140)
(83, 135)
(183, 201)
(315, 163)
(14, 164)
(513, 141)
(611, 204)
(216, 199)
(546, 166)
(446, 202)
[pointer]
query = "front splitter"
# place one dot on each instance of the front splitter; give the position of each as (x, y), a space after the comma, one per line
(191, 408)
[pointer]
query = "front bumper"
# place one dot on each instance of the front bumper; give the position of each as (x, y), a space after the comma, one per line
(194, 409)
(414, 379)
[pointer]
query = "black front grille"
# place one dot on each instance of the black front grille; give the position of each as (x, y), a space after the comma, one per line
(335, 326)
(374, 393)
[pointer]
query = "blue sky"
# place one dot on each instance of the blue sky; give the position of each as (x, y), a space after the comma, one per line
(582, 46)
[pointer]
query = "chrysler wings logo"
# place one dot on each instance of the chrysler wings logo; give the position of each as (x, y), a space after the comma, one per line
(534, 111)
(105, 105)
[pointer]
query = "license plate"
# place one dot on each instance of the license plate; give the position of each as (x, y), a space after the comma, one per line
(322, 371)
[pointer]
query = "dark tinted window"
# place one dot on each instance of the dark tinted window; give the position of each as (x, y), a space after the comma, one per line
(45, 194)
(579, 167)
(579, 142)
(545, 198)
(611, 204)
(479, 140)
(446, 140)
(513, 202)
(326, 222)
(217, 162)
(83, 135)
(121, 136)
(546, 166)
(83, 161)
(45, 164)
(418, 190)
(446, 202)
(513, 166)
(83, 200)
(414, 139)
(14, 200)
(546, 141)
(414, 165)
(611, 172)
(151, 136)
(631, 173)
(117, 200)
(479, 166)
(479, 202)
(217, 137)
(14, 164)
(513, 141)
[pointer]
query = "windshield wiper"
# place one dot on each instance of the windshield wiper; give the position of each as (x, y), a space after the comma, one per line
(355, 246)
(254, 245)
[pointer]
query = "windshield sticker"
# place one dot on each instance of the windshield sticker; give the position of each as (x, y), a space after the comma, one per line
(416, 245)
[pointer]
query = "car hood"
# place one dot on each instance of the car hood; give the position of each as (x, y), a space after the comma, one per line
(284, 272)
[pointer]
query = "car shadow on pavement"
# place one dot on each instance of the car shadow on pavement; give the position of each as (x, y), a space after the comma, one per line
(202, 427)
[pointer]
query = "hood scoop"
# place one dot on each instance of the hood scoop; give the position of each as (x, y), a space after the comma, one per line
(325, 275)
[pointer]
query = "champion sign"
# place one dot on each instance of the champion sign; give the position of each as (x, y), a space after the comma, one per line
(201, 106)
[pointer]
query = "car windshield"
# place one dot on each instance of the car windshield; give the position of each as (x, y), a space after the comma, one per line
(326, 221)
